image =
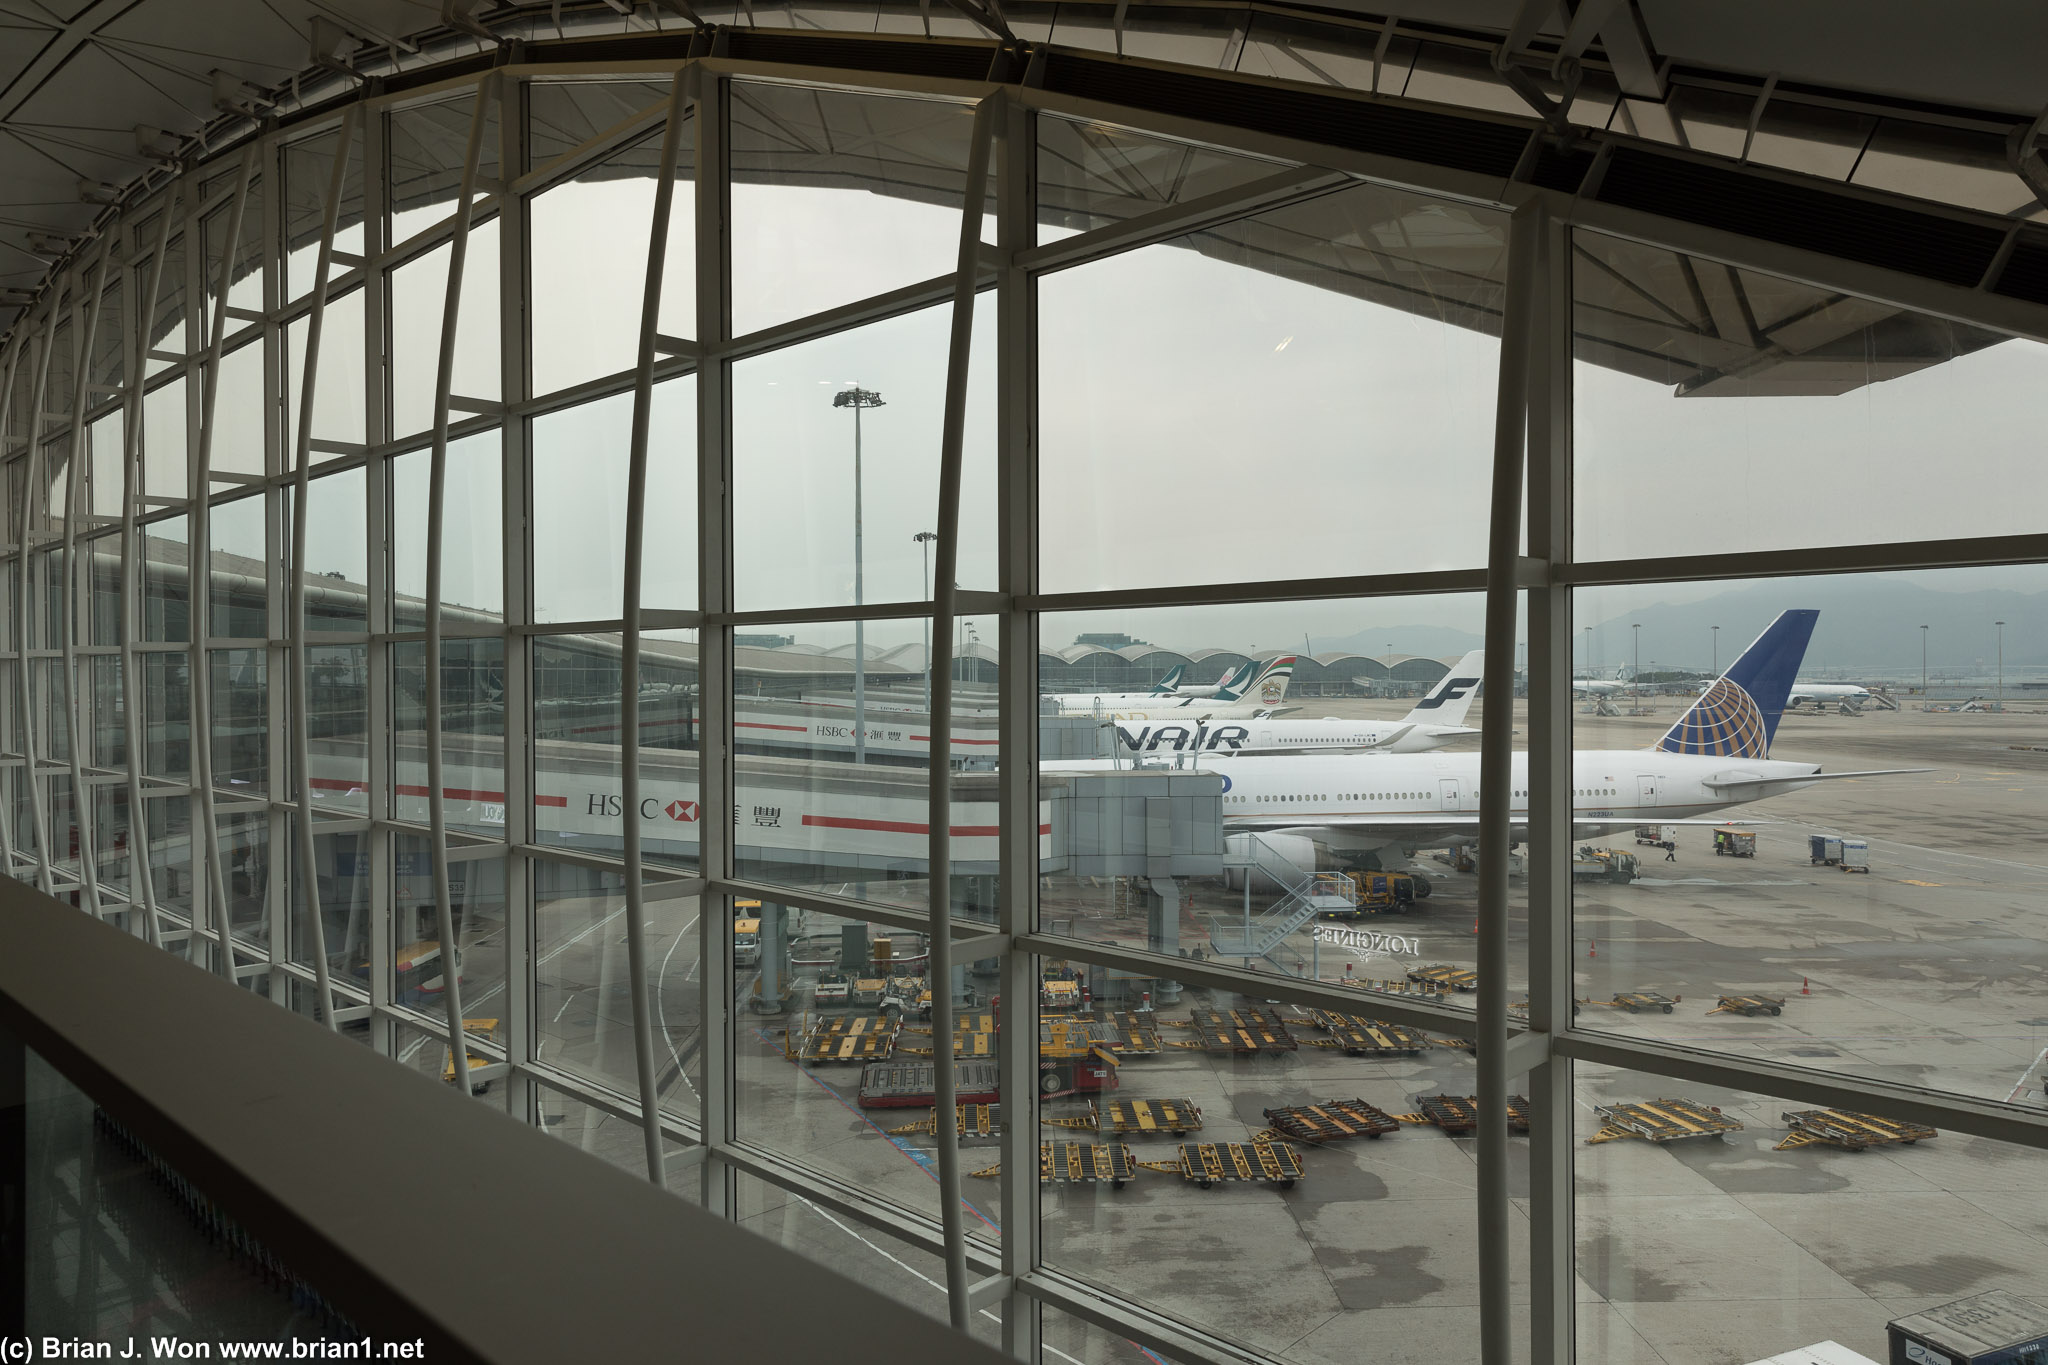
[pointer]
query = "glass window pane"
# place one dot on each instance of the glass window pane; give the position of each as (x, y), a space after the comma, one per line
(163, 441)
(472, 682)
(167, 713)
(106, 437)
(245, 280)
(240, 720)
(580, 470)
(576, 718)
(337, 551)
(343, 867)
(338, 737)
(472, 557)
(795, 511)
(853, 819)
(1338, 1250)
(582, 985)
(1093, 174)
(476, 891)
(1745, 1244)
(240, 416)
(1775, 387)
(419, 301)
(338, 384)
(1843, 876)
(110, 341)
(238, 605)
(1356, 332)
(562, 115)
(605, 1135)
(308, 172)
(245, 873)
(586, 303)
(168, 328)
(427, 146)
(166, 609)
(838, 196)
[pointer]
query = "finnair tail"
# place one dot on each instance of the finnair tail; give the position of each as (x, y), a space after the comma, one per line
(1266, 687)
(1167, 685)
(1738, 716)
(1451, 698)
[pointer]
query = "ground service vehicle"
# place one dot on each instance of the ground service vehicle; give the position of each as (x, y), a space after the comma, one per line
(1736, 843)
(1855, 855)
(746, 943)
(1605, 865)
(833, 988)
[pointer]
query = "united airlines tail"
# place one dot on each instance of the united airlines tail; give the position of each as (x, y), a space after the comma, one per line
(1166, 686)
(1451, 698)
(1267, 686)
(1738, 716)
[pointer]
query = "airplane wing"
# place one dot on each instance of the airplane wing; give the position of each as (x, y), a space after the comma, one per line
(1743, 788)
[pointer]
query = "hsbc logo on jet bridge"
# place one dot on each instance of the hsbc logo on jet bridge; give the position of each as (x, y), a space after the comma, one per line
(1453, 689)
(651, 808)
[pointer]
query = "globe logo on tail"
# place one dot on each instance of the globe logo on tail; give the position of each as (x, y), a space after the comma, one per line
(1725, 721)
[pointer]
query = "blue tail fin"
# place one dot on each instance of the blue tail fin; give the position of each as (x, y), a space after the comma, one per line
(1738, 716)
(1170, 681)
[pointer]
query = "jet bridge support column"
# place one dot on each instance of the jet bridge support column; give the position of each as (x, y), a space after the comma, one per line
(773, 997)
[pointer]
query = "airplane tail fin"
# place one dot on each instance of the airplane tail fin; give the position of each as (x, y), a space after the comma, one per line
(1451, 698)
(1738, 716)
(1165, 685)
(1267, 685)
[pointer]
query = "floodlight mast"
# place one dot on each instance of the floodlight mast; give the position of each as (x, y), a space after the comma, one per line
(924, 540)
(858, 398)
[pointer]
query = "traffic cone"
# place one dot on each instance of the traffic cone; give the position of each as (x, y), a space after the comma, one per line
(1475, 926)
(1593, 947)
(1805, 986)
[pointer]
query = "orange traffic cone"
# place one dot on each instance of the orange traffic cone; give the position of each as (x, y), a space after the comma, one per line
(1593, 947)
(1805, 986)
(1475, 926)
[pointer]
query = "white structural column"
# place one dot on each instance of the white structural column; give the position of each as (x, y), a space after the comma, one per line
(199, 559)
(15, 648)
(302, 474)
(1549, 780)
(1496, 786)
(85, 314)
(939, 818)
(383, 758)
(629, 651)
(437, 507)
(714, 652)
(32, 653)
(142, 303)
(1017, 717)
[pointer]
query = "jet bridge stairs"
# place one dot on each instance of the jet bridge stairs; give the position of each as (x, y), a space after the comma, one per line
(1302, 898)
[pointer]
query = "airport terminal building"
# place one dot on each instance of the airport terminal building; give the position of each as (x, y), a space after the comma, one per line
(967, 681)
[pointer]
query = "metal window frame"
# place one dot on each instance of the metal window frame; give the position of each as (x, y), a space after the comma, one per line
(1532, 449)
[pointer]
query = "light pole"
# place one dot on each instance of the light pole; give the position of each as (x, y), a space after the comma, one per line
(1589, 653)
(925, 539)
(1923, 661)
(2001, 663)
(1717, 650)
(858, 398)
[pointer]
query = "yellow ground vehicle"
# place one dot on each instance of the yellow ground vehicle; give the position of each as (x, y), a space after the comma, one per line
(746, 942)
(472, 1028)
(1736, 843)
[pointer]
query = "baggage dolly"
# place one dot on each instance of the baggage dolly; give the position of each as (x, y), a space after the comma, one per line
(1750, 1006)
(1457, 1115)
(1662, 1121)
(1255, 1163)
(1150, 1118)
(1849, 1131)
(1357, 1036)
(1330, 1121)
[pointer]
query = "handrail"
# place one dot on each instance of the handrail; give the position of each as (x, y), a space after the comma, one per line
(486, 1237)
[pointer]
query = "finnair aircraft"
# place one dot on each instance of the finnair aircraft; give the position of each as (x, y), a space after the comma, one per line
(1266, 689)
(1435, 721)
(1348, 807)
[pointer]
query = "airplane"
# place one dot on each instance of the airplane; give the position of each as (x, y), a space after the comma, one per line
(1823, 695)
(1266, 689)
(1355, 807)
(1229, 682)
(1170, 684)
(1598, 687)
(1437, 719)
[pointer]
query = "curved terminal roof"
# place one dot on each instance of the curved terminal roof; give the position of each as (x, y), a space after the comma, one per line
(102, 98)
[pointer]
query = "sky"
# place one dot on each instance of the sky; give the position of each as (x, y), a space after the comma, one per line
(1200, 421)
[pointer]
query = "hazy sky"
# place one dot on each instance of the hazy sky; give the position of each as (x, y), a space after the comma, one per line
(1200, 420)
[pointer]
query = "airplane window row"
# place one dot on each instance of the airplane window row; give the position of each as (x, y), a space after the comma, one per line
(1347, 796)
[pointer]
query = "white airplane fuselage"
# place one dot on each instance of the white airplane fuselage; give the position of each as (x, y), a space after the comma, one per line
(1425, 800)
(1226, 738)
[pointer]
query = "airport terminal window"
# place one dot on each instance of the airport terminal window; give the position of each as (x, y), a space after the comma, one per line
(1200, 361)
(1289, 390)
(1865, 916)
(1757, 415)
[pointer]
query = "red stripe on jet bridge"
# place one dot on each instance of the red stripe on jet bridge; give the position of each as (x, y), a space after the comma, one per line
(764, 725)
(926, 739)
(906, 826)
(342, 784)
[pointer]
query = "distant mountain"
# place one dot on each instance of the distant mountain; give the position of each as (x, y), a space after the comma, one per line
(1868, 625)
(1436, 642)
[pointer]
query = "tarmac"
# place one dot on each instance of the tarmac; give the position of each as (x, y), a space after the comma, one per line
(1712, 1251)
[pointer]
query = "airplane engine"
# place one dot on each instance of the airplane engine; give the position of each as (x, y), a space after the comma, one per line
(1272, 856)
